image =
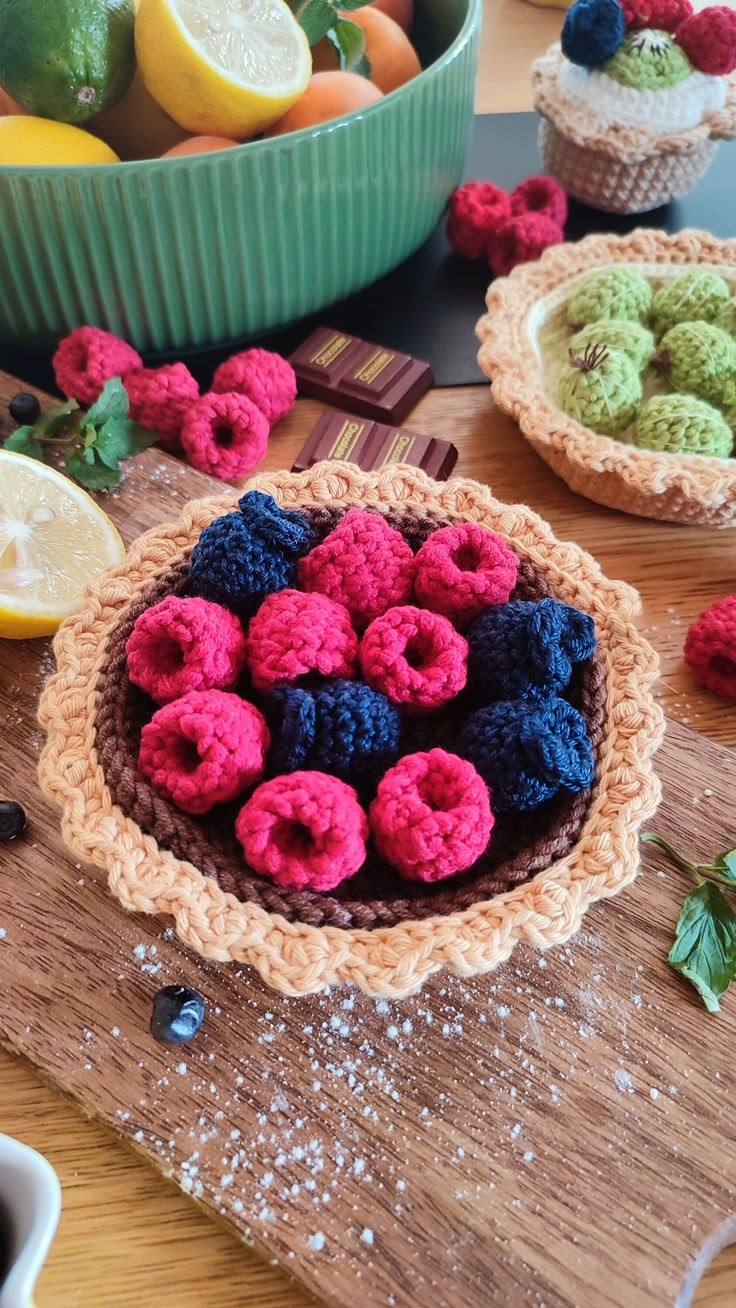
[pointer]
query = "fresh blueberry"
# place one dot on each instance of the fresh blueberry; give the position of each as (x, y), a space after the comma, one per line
(178, 1013)
(12, 819)
(25, 409)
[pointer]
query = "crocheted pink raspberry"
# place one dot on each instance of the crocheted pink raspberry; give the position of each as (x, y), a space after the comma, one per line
(267, 379)
(204, 749)
(662, 15)
(295, 633)
(709, 40)
(476, 209)
(185, 644)
(521, 240)
(710, 647)
(305, 831)
(160, 399)
(224, 435)
(363, 564)
(87, 358)
(414, 657)
(431, 817)
(540, 195)
(462, 570)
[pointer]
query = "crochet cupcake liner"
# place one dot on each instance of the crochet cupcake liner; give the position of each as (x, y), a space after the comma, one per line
(677, 488)
(621, 169)
(298, 956)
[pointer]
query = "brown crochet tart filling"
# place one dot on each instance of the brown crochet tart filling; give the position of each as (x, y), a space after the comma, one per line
(522, 845)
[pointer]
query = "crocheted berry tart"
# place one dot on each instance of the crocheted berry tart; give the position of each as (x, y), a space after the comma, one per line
(355, 727)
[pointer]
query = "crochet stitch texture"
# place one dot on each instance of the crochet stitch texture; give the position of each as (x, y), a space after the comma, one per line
(297, 632)
(225, 435)
(344, 727)
(682, 424)
(160, 398)
(363, 564)
(184, 644)
(540, 195)
(87, 358)
(662, 15)
(306, 829)
(431, 817)
(476, 210)
(242, 557)
(710, 647)
(527, 649)
(526, 753)
(521, 240)
(204, 749)
(462, 570)
(414, 657)
(264, 377)
(592, 31)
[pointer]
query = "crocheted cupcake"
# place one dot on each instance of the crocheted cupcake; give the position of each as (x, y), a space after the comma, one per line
(635, 99)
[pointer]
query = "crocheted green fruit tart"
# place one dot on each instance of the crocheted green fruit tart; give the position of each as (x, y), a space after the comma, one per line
(617, 357)
(355, 727)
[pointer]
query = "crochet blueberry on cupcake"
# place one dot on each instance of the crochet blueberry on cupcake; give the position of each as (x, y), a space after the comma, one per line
(293, 672)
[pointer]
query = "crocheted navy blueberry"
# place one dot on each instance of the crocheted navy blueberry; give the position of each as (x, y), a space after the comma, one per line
(526, 752)
(592, 32)
(246, 555)
(526, 649)
(343, 728)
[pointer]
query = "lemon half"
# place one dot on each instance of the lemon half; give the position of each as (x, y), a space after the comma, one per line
(53, 539)
(222, 67)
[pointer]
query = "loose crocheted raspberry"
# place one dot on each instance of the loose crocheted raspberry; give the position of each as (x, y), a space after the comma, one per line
(431, 817)
(526, 649)
(295, 633)
(160, 399)
(185, 644)
(709, 40)
(521, 240)
(87, 358)
(526, 752)
(344, 728)
(540, 195)
(462, 570)
(242, 557)
(592, 31)
(659, 15)
(304, 831)
(204, 749)
(267, 379)
(476, 209)
(363, 564)
(414, 657)
(224, 435)
(710, 647)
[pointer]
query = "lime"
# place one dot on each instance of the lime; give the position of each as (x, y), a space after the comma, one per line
(66, 59)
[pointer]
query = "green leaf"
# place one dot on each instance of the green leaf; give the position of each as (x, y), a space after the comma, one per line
(316, 18)
(94, 475)
(23, 441)
(347, 6)
(726, 864)
(349, 41)
(88, 434)
(54, 421)
(120, 438)
(112, 403)
(705, 944)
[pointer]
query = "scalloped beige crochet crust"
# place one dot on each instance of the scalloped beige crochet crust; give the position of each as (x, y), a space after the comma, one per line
(621, 169)
(295, 958)
(677, 488)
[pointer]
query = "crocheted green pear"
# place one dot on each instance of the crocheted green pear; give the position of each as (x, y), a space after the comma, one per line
(698, 358)
(697, 296)
(601, 389)
(681, 424)
(620, 293)
(649, 61)
(628, 337)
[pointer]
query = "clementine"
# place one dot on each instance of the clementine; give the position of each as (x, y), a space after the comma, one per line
(328, 95)
(198, 145)
(389, 51)
(402, 11)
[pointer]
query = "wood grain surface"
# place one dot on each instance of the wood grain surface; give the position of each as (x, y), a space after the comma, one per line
(128, 1237)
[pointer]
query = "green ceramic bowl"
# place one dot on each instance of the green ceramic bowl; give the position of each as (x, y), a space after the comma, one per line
(181, 254)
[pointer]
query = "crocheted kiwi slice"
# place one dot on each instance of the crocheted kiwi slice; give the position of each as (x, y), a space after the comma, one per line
(377, 896)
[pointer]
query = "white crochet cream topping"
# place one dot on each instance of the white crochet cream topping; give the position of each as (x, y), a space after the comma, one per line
(671, 109)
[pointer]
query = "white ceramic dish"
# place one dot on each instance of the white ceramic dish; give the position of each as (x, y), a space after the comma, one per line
(30, 1203)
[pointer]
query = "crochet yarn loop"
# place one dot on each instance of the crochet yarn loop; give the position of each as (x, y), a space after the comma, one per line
(526, 649)
(344, 728)
(526, 753)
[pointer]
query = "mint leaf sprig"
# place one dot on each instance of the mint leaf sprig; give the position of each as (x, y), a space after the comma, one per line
(94, 443)
(323, 18)
(704, 951)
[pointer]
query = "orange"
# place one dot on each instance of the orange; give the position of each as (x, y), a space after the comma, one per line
(198, 145)
(328, 95)
(402, 11)
(137, 127)
(389, 51)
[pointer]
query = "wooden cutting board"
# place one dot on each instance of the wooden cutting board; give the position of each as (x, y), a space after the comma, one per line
(555, 1133)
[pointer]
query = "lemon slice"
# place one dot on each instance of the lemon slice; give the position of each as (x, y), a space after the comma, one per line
(222, 67)
(53, 540)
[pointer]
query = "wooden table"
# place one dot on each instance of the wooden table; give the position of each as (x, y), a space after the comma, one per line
(125, 1236)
